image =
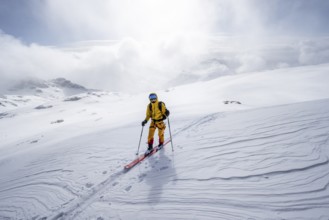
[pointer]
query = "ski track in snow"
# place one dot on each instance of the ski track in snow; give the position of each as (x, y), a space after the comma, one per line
(269, 163)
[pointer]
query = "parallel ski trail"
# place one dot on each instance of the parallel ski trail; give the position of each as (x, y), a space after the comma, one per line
(75, 208)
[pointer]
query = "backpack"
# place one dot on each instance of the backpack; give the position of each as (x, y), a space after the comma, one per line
(160, 107)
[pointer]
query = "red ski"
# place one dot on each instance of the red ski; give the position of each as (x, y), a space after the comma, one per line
(143, 156)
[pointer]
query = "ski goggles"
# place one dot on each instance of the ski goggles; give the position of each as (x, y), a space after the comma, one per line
(152, 97)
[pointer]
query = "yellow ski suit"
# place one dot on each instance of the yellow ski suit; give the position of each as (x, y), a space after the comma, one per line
(157, 116)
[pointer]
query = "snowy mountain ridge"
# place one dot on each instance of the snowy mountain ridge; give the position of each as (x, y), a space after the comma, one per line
(37, 85)
(34, 91)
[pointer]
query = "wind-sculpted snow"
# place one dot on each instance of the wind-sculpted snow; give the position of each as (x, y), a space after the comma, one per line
(269, 163)
(259, 164)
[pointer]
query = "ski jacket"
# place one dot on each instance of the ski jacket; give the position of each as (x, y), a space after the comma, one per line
(154, 112)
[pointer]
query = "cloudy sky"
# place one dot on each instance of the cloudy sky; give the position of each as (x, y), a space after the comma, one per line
(143, 40)
(65, 21)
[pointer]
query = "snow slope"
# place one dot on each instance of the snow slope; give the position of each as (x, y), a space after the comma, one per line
(267, 161)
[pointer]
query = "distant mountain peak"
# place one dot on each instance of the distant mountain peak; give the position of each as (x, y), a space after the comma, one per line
(33, 90)
(55, 88)
(35, 83)
(64, 83)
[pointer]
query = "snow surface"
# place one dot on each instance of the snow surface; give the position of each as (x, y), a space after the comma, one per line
(266, 158)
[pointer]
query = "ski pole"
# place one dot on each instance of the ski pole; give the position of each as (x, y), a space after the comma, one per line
(172, 145)
(140, 140)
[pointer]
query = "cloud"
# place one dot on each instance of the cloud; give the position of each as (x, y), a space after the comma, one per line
(19, 60)
(66, 21)
(148, 45)
(314, 52)
(250, 63)
(125, 65)
(73, 20)
(133, 66)
(275, 17)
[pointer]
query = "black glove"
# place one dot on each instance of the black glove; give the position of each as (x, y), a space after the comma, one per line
(167, 112)
(144, 123)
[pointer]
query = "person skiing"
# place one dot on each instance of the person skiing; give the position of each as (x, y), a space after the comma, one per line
(157, 112)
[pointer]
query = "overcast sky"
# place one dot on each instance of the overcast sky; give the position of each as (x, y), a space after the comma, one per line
(66, 21)
(134, 45)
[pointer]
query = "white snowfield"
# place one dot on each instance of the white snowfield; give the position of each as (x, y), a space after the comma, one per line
(266, 158)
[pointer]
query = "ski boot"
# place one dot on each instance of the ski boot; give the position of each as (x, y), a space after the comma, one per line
(149, 149)
(160, 146)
